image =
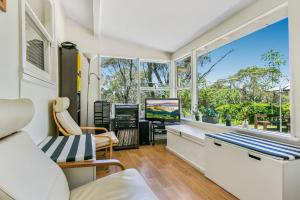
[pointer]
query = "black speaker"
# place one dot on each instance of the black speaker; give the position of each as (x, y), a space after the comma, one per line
(144, 132)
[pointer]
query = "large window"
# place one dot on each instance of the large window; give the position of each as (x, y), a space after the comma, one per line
(154, 81)
(154, 74)
(184, 84)
(119, 80)
(246, 82)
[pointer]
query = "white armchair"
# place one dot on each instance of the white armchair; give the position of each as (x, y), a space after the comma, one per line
(26, 173)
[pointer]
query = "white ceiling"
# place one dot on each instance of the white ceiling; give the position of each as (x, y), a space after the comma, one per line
(161, 24)
(80, 11)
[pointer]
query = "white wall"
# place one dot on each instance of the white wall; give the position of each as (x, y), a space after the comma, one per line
(9, 51)
(102, 45)
(59, 22)
(12, 86)
(294, 36)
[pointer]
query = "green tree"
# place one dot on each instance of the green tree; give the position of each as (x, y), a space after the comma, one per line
(273, 58)
(120, 84)
(254, 82)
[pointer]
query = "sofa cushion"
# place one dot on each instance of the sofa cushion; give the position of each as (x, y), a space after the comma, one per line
(102, 141)
(14, 115)
(127, 184)
(26, 173)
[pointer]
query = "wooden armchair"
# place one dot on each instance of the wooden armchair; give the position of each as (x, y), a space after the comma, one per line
(67, 126)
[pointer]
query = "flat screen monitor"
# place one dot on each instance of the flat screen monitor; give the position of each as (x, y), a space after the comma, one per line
(167, 110)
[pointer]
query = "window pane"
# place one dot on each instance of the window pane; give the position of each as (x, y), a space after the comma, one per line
(248, 80)
(152, 94)
(43, 11)
(119, 80)
(36, 45)
(154, 74)
(185, 100)
(183, 71)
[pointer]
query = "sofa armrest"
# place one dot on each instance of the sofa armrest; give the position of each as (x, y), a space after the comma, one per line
(92, 163)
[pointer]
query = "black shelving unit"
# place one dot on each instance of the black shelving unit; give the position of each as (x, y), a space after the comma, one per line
(127, 125)
(102, 114)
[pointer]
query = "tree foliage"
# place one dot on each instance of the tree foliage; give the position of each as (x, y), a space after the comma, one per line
(273, 58)
(120, 77)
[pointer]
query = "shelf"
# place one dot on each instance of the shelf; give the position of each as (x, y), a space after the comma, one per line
(135, 146)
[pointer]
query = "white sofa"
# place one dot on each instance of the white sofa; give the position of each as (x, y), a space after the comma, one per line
(26, 173)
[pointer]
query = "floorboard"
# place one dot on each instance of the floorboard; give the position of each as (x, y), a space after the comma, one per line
(168, 176)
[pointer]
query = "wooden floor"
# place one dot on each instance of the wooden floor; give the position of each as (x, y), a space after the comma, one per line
(168, 176)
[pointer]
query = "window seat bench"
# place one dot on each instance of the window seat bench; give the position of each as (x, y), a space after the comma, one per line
(250, 168)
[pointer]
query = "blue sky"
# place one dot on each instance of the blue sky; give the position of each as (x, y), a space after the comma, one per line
(248, 51)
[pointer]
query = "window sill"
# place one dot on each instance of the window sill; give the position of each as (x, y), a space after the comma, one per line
(281, 137)
(37, 81)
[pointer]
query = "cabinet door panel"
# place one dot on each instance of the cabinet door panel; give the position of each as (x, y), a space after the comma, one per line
(263, 176)
(223, 166)
(245, 174)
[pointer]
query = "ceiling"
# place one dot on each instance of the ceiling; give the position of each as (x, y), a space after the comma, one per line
(80, 11)
(165, 25)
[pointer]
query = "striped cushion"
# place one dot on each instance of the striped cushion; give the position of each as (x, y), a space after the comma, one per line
(72, 148)
(279, 150)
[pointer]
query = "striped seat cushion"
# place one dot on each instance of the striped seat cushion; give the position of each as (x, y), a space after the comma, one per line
(275, 149)
(72, 148)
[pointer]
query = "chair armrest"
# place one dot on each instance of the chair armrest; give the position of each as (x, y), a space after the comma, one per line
(94, 128)
(93, 163)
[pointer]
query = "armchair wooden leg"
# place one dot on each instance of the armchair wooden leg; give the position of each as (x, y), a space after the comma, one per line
(110, 152)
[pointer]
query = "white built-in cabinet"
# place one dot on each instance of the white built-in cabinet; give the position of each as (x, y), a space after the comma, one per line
(246, 174)
(188, 143)
(250, 175)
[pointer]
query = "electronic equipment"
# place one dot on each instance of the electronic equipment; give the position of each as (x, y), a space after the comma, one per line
(144, 132)
(102, 115)
(165, 110)
(127, 125)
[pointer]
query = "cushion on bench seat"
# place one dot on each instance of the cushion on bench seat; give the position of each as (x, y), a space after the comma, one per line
(268, 147)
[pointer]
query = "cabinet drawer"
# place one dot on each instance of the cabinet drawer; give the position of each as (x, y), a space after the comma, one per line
(244, 173)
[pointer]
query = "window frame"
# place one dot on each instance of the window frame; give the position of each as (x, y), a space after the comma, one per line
(149, 89)
(29, 72)
(226, 40)
(191, 86)
(154, 61)
(102, 79)
(249, 27)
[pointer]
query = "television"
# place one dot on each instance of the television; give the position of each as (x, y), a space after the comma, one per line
(165, 110)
